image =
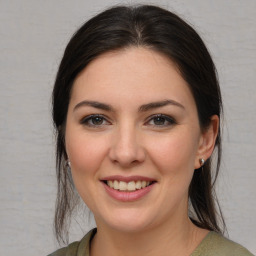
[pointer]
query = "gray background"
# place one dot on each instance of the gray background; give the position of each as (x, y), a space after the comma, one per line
(33, 35)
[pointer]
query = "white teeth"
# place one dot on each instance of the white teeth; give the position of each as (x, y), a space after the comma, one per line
(138, 185)
(122, 186)
(110, 183)
(116, 184)
(130, 186)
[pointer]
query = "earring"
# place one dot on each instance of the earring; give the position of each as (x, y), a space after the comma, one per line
(68, 163)
(201, 161)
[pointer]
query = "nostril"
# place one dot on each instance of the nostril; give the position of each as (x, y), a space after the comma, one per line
(127, 156)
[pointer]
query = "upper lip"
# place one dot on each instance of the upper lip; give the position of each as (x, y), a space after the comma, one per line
(127, 178)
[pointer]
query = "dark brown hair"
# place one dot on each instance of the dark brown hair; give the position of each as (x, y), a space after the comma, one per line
(164, 32)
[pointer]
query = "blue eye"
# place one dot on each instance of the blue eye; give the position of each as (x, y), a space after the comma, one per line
(94, 121)
(161, 120)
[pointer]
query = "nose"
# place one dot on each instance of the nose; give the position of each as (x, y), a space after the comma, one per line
(125, 149)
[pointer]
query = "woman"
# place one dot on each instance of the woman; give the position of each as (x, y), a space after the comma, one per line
(137, 108)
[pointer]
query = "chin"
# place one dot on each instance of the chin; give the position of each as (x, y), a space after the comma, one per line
(128, 221)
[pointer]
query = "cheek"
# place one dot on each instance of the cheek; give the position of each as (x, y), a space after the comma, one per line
(86, 153)
(174, 153)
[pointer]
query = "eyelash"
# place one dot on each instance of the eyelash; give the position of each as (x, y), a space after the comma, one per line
(88, 121)
(170, 121)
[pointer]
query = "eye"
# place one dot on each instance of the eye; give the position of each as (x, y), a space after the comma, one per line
(95, 121)
(161, 120)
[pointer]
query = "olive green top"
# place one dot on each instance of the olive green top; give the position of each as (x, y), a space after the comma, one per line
(212, 245)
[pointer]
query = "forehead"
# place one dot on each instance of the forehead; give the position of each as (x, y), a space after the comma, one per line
(132, 75)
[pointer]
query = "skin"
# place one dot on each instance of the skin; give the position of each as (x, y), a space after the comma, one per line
(128, 142)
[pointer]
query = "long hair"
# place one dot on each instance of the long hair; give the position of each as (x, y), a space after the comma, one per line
(164, 32)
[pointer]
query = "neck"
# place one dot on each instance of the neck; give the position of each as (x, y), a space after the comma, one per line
(172, 238)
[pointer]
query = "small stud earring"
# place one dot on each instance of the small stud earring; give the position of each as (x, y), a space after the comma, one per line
(68, 163)
(201, 161)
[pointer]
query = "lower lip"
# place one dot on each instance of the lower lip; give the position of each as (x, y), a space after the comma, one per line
(125, 196)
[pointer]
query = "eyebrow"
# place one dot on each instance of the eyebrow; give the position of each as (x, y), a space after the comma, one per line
(159, 104)
(94, 104)
(142, 108)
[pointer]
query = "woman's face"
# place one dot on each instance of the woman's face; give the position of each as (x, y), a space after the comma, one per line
(133, 139)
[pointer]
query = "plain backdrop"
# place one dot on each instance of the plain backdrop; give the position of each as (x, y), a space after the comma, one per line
(33, 35)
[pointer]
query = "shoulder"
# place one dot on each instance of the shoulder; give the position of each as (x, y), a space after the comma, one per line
(71, 250)
(76, 248)
(216, 244)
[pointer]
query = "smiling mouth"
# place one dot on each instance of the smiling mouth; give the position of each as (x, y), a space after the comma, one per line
(130, 186)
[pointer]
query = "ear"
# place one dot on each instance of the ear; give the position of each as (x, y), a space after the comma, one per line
(207, 141)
